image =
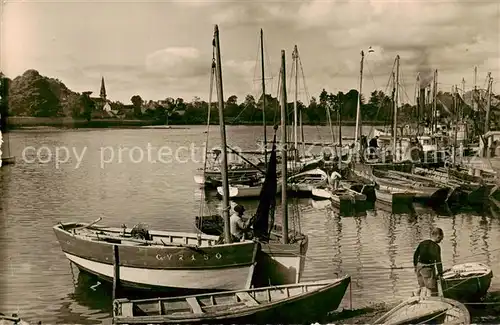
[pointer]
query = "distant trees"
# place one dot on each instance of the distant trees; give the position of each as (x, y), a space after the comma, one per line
(35, 95)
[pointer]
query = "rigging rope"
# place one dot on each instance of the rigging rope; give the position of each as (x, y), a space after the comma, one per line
(212, 76)
(381, 103)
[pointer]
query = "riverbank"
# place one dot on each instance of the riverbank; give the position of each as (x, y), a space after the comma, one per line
(18, 122)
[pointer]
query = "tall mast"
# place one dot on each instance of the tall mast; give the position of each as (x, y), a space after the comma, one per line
(474, 93)
(263, 94)
(455, 109)
(417, 101)
(284, 151)
(488, 104)
(434, 101)
(463, 97)
(357, 132)
(395, 122)
(295, 57)
(225, 183)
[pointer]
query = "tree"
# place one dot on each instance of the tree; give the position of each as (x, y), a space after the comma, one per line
(88, 105)
(137, 102)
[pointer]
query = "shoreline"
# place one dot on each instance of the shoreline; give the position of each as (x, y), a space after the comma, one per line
(18, 122)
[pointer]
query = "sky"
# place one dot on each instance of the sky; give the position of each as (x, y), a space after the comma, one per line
(160, 49)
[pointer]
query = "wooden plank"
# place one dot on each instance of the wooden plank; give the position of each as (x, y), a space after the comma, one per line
(160, 307)
(195, 306)
(247, 298)
(127, 309)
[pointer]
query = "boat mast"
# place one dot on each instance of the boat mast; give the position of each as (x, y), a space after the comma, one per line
(263, 94)
(456, 110)
(488, 109)
(295, 57)
(284, 151)
(395, 122)
(225, 183)
(357, 132)
(474, 103)
(434, 102)
(418, 100)
(488, 104)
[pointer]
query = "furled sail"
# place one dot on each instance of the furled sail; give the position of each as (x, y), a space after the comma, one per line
(264, 217)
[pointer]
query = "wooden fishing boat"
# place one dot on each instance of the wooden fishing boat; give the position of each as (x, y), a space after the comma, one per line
(280, 263)
(395, 196)
(306, 181)
(346, 200)
(426, 310)
(247, 191)
(431, 194)
(454, 190)
(467, 282)
(158, 260)
(476, 192)
(276, 304)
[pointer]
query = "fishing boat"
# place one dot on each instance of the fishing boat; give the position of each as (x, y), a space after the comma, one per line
(345, 200)
(158, 260)
(282, 257)
(423, 191)
(454, 190)
(426, 310)
(302, 302)
(162, 260)
(467, 282)
(306, 181)
(474, 192)
(394, 196)
(251, 190)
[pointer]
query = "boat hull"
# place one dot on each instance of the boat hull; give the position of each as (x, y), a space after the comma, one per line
(245, 191)
(394, 197)
(168, 266)
(277, 263)
(467, 282)
(426, 310)
(307, 306)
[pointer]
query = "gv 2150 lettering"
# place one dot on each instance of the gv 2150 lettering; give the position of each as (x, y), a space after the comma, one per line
(171, 257)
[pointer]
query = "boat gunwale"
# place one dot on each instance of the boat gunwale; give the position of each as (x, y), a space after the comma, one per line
(151, 244)
(329, 284)
(456, 304)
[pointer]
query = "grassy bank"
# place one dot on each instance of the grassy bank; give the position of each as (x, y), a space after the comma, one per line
(16, 122)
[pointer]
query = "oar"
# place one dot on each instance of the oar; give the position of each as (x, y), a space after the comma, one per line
(89, 224)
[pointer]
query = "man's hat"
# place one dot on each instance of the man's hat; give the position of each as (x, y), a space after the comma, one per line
(239, 208)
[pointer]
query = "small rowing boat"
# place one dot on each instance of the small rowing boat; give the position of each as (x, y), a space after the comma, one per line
(291, 303)
(426, 310)
(467, 282)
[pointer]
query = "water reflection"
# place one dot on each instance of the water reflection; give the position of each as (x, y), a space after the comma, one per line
(375, 249)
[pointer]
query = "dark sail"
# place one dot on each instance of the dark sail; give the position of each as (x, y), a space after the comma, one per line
(265, 211)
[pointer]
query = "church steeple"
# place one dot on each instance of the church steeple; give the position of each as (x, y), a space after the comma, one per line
(103, 89)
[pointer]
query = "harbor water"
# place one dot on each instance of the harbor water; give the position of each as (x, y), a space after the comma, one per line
(81, 175)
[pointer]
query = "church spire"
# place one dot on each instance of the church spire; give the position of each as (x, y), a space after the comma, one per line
(103, 89)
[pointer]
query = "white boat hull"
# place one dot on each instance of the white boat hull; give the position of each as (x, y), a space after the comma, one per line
(199, 179)
(321, 193)
(229, 279)
(244, 191)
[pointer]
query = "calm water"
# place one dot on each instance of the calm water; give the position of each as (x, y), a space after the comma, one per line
(38, 282)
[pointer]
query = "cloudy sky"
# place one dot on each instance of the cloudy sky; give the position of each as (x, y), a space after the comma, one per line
(160, 49)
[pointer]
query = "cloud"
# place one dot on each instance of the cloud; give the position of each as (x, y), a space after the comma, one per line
(177, 63)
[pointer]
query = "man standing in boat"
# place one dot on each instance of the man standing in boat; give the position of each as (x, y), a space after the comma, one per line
(426, 259)
(238, 226)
